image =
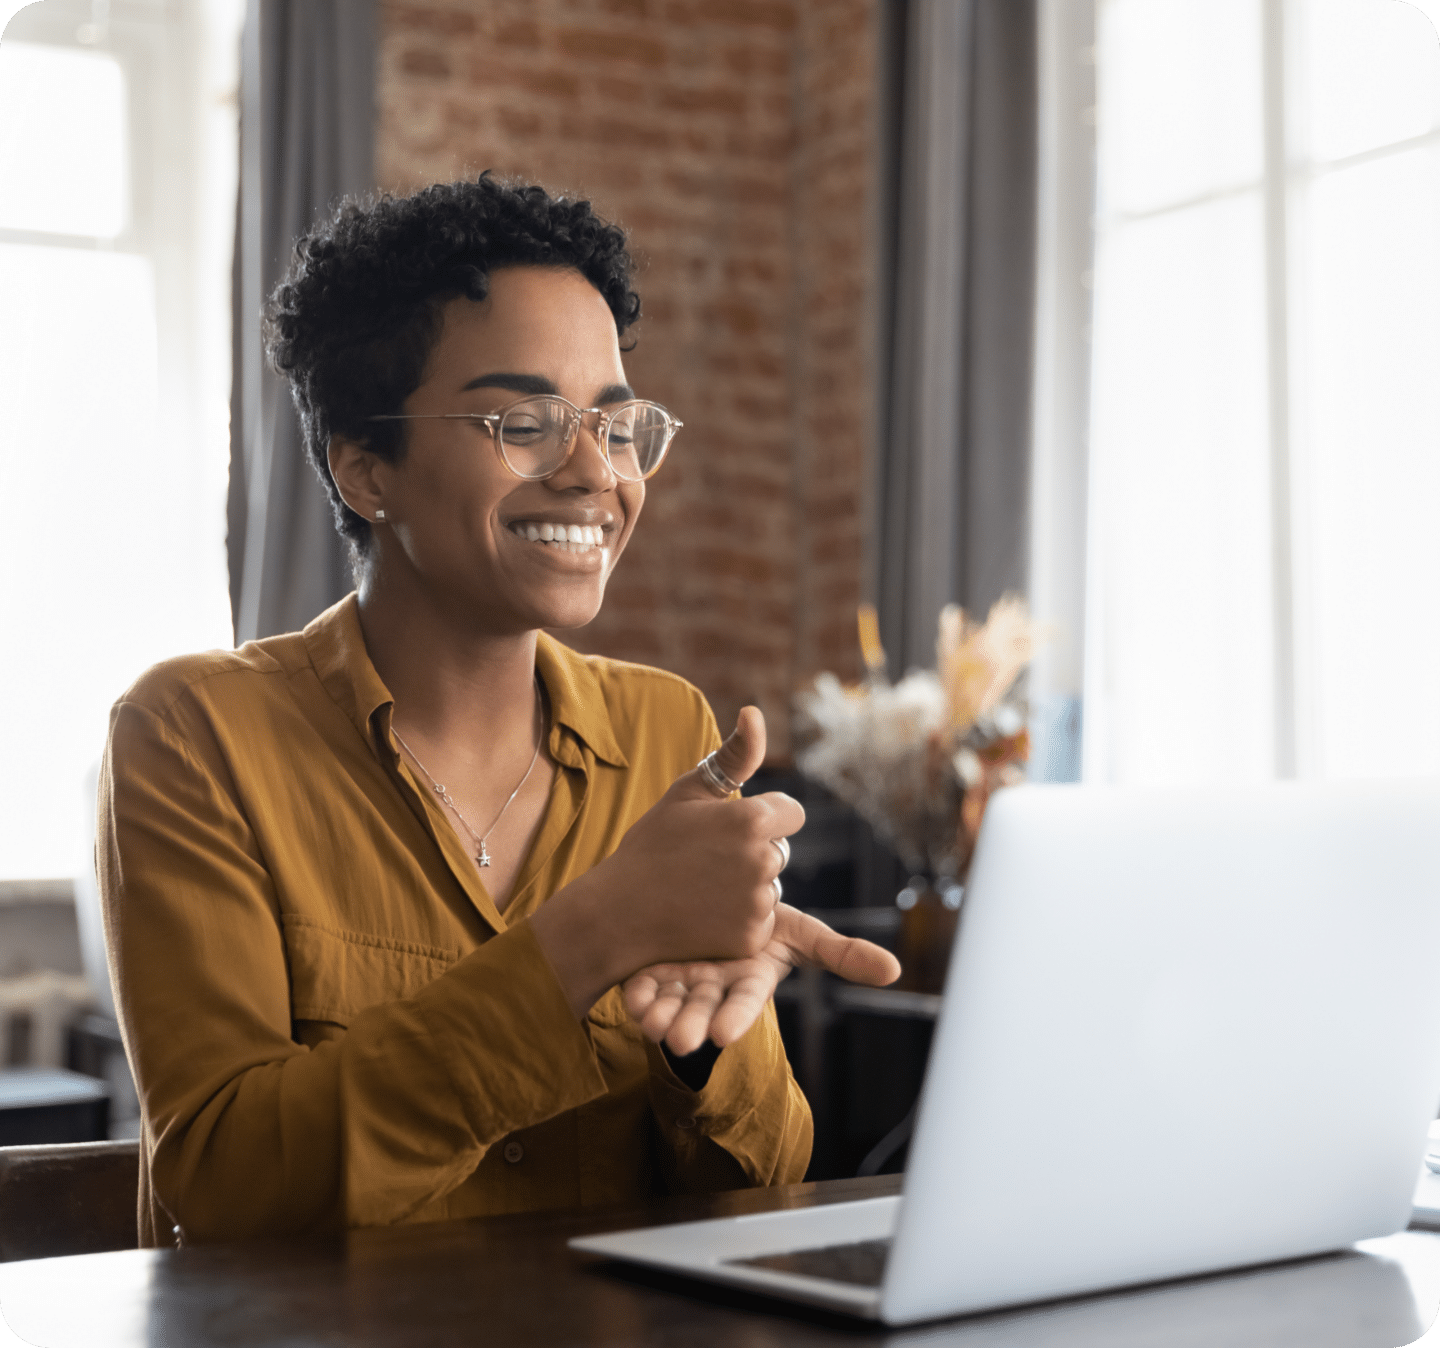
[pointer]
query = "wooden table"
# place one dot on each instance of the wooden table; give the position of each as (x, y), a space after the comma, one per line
(512, 1280)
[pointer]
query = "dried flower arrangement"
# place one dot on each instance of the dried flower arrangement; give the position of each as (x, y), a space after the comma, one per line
(918, 759)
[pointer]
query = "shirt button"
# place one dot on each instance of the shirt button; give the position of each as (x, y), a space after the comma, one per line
(686, 1122)
(514, 1153)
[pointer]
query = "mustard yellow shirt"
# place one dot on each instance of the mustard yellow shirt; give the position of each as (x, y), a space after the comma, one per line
(329, 1021)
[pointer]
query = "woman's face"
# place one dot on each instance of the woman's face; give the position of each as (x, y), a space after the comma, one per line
(455, 517)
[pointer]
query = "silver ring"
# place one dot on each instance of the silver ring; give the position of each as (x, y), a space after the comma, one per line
(715, 777)
(778, 888)
(783, 844)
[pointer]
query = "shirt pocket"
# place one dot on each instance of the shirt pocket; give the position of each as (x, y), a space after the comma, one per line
(336, 974)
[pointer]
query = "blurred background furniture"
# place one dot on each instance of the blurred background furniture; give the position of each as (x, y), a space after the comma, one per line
(51, 1104)
(35, 1008)
(859, 1055)
(75, 1199)
(63, 1072)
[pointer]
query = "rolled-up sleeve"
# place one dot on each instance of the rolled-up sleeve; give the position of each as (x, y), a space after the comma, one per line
(749, 1124)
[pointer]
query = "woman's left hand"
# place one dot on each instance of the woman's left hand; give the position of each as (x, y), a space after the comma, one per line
(684, 1004)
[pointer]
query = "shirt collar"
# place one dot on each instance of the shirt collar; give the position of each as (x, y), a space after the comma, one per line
(336, 646)
(577, 701)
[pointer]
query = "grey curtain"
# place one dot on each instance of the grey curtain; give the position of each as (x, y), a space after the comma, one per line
(307, 137)
(954, 464)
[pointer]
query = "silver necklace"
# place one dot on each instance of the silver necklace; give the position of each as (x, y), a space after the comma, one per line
(482, 853)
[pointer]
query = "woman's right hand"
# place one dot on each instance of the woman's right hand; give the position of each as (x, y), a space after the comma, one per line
(691, 880)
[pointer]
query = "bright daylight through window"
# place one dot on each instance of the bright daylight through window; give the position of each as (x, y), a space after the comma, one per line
(1265, 433)
(117, 180)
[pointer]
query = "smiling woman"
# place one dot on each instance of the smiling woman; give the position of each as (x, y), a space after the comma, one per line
(444, 910)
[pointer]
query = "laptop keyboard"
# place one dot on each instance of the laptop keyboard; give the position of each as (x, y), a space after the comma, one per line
(861, 1262)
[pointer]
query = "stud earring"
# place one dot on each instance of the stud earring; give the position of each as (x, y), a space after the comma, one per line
(379, 517)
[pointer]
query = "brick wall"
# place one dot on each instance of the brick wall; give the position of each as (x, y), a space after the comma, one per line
(734, 139)
(834, 222)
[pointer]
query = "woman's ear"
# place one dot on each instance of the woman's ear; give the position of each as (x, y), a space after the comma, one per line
(353, 468)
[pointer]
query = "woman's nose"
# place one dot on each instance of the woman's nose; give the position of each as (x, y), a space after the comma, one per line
(588, 466)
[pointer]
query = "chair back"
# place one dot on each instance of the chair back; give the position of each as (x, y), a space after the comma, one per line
(69, 1198)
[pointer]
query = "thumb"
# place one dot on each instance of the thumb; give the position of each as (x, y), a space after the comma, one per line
(737, 758)
(812, 942)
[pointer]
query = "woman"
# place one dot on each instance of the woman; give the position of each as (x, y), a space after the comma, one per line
(370, 889)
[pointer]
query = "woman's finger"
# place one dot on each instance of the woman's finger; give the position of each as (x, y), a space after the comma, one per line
(852, 959)
(642, 988)
(744, 1001)
(639, 992)
(691, 1025)
(660, 1017)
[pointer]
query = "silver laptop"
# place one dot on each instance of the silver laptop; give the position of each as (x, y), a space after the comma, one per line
(1184, 1030)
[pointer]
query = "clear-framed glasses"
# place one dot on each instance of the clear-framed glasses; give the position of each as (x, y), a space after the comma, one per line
(535, 436)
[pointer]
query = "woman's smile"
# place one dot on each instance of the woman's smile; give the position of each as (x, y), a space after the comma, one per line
(574, 540)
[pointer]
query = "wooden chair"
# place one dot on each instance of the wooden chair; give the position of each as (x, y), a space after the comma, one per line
(69, 1198)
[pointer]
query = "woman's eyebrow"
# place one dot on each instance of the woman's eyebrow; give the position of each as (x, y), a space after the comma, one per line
(537, 383)
(518, 383)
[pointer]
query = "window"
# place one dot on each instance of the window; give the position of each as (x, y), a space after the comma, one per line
(1265, 420)
(117, 180)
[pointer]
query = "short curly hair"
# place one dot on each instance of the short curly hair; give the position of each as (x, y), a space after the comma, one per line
(353, 322)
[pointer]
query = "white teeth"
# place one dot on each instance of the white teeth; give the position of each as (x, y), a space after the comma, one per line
(566, 537)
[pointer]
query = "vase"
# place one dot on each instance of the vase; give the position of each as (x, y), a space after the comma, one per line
(929, 911)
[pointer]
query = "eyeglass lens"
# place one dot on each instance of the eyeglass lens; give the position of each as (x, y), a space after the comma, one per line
(535, 436)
